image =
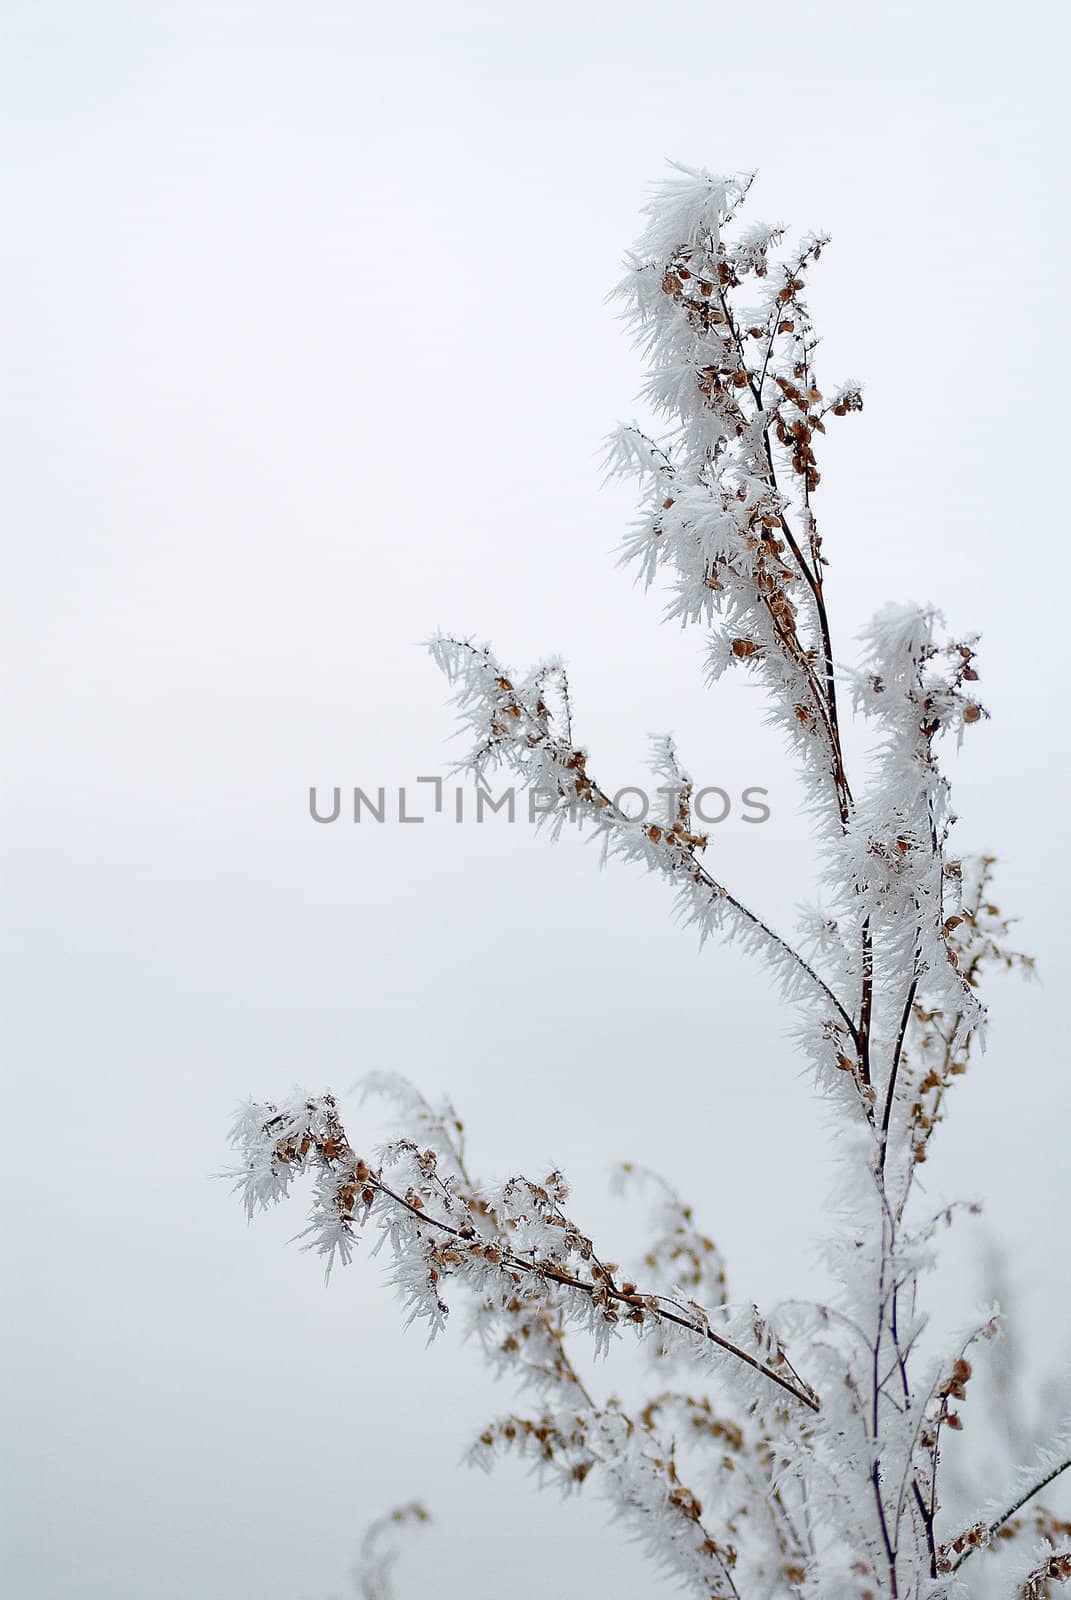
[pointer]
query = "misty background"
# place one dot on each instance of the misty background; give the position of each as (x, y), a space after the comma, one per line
(306, 354)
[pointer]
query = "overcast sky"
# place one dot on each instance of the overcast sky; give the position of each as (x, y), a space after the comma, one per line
(306, 354)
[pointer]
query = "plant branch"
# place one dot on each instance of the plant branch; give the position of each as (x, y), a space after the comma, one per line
(1006, 1516)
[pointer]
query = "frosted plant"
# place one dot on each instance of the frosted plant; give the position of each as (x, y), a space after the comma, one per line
(381, 1548)
(797, 1452)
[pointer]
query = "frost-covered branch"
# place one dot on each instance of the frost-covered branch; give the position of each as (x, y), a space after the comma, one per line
(1006, 1516)
(515, 725)
(435, 1232)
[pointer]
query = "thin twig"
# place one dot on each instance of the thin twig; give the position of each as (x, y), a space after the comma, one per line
(1006, 1516)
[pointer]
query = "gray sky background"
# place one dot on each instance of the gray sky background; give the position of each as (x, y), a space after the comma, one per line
(307, 354)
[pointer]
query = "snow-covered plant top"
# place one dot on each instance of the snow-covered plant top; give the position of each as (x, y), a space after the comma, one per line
(796, 1453)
